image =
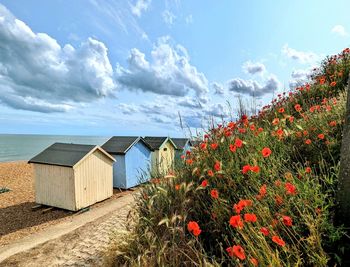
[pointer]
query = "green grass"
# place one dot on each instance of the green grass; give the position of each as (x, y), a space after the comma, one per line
(291, 192)
(4, 190)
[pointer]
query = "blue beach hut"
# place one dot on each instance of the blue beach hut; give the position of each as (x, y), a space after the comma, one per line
(182, 145)
(133, 160)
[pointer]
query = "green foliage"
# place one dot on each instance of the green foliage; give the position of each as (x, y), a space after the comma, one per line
(290, 191)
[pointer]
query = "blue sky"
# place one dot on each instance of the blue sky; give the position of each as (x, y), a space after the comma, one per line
(103, 67)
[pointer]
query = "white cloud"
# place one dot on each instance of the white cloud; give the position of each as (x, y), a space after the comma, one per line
(140, 6)
(38, 74)
(299, 77)
(128, 109)
(300, 56)
(218, 88)
(252, 87)
(169, 72)
(254, 67)
(340, 30)
(168, 17)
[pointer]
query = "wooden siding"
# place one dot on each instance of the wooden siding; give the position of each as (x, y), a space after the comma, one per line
(119, 172)
(137, 162)
(162, 161)
(93, 179)
(54, 186)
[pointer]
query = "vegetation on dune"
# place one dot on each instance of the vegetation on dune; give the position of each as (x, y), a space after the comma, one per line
(259, 191)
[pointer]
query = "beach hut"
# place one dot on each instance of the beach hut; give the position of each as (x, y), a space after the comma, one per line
(133, 160)
(182, 145)
(71, 176)
(162, 158)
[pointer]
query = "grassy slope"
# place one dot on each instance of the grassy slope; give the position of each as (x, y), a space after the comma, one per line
(291, 191)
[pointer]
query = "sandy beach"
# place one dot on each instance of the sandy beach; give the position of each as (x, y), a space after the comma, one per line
(17, 218)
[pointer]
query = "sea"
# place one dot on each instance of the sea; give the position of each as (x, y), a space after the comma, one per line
(14, 147)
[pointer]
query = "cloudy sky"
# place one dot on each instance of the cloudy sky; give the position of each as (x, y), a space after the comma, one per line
(134, 67)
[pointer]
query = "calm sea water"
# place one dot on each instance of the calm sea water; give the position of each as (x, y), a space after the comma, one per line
(23, 147)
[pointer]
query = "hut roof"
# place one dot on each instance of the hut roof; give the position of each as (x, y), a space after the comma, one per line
(65, 154)
(121, 144)
(157, 141)
(181, 142)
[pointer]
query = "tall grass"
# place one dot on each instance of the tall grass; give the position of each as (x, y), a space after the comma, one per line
(257, 191)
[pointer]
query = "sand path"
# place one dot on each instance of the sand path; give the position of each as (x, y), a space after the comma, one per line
(81, 242)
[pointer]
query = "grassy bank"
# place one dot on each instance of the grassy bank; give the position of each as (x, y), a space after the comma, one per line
(259, 191)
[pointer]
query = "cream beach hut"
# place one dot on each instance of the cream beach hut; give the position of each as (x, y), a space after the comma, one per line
(72, 176)
(162, 157)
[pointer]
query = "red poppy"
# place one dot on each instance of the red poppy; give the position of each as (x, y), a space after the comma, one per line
(231, 125)
(254, 261)
(266, 152)
(287, 220)
(260, 129)
(238, 251)
(255, 169)
(308, 170)
(321, 136)
(210, 173)
(279, 132)
(332, 123)
(233, 148)
(281, 110)
(252, 127)
(204, 183)
(298, 107)
(262, 190)
(193, 227)
(177, 187)
(264, 231)
(214, 193)
(275, 121)
(308, 141)
(189, 161)
(203, 146)
(333, 84)
(217, 166)
(278, 240)
(291, 119)
(238, 142)
(214, 146)
(245, 169)
(235, 221)
(278, 182)
(250, 217)
(290, 188)
(241, 205)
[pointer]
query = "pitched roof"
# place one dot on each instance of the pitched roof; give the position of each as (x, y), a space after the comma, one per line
(64, 154)
(121, 144)
(181, 142)
(156, 141)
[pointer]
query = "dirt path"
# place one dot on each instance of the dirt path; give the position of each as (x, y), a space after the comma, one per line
(83, 246)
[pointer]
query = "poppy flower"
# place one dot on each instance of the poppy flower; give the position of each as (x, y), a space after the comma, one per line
(214, 146)
(287, 220)
(233, 148)
(177, 187)
(245, 169)
(260, 130)
(275, 121)
(203, 146)
(210, 173)
(252, 127)
(238, 142)
(290, 188)
(281, 110)
(235, 221)
(254, 261)
(250, 217)
(308, 170)
(231, 125)
(238, 251)
(193, 227)
(332, 84)
(204, 183)
(291, 119)
(217, 166)
(308, 141)
(332, 123)
(279, 132)
(241, 205)
(214, 193)
(278, 240)
(279, 200)
(264, 231)
(255, 169)
(189, 161)
(321, 136)
(297, 107)
(266, 152)
(262, 190)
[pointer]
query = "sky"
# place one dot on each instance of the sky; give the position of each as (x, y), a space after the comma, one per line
(146, 67)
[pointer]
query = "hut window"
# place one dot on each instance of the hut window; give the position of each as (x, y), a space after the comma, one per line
(165, 149)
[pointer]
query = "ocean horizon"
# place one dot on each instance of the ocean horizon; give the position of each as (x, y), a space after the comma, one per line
(17, 147)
